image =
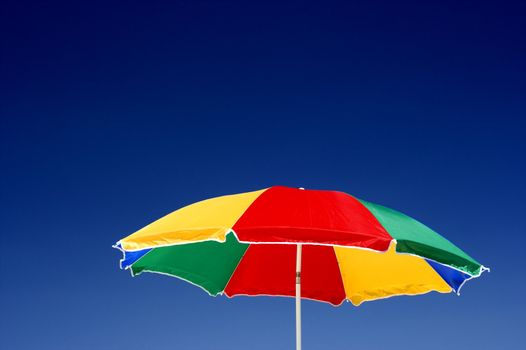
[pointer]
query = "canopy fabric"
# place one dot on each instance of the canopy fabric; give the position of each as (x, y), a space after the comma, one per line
(353, 250)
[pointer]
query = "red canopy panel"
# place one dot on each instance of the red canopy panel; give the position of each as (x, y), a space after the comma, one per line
(283, 214)
(269, 269)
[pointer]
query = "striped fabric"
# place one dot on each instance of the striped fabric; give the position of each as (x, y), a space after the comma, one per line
(353, 250)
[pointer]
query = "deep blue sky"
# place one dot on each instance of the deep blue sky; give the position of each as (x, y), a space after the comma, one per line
(114, 114)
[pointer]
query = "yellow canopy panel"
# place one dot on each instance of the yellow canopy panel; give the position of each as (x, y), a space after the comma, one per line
(210, 219)
(369, 275)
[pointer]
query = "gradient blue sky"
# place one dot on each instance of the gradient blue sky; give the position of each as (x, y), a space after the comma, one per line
(116, 113)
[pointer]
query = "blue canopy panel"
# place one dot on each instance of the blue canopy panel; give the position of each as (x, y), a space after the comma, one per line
(453, 277)
(131, 257)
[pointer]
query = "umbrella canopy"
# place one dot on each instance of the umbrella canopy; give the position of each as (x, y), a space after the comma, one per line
(254, 243)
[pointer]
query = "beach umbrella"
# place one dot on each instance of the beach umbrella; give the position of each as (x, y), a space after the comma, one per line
(322, 245)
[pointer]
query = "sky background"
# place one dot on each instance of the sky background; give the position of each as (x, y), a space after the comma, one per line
(115, 113)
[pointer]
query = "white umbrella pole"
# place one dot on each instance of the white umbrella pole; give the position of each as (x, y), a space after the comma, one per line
(298, 297)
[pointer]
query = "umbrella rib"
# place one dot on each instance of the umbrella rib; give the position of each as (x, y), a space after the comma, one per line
(340, 274)
(239, 262)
